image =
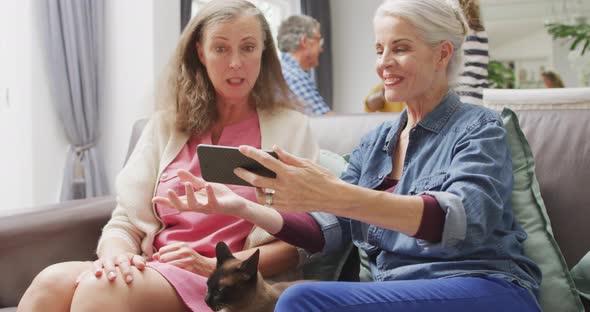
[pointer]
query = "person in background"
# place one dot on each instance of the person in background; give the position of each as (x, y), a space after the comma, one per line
(474, 77)
(375, 102)
(552, 80)
(300, 41)
(426, 195)
(225, 88)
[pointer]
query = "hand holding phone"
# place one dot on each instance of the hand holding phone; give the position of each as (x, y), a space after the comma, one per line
(218, 163)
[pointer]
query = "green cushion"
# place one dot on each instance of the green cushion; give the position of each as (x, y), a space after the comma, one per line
(558, 292)
(333, 162)
(581, 275)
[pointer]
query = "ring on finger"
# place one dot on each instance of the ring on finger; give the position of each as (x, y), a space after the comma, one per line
(268, 197)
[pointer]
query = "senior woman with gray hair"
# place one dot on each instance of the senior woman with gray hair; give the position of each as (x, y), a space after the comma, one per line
(427, 195)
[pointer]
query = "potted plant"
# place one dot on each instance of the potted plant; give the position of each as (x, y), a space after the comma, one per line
(579, 37)
(576, 34)
(500, 76)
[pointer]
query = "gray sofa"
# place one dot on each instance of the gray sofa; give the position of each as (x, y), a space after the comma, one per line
(32, 239)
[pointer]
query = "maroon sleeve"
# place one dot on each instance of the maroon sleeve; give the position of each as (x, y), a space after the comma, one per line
(433, 220)
(301, 230)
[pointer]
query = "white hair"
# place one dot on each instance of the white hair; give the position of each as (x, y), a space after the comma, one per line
(435, 20)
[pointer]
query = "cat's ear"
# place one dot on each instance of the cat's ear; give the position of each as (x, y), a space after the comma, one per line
(222, 253)
(250, 265)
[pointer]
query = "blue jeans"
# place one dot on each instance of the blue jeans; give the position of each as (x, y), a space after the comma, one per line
(479, 294)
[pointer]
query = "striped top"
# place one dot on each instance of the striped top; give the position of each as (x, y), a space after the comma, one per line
(474, 77)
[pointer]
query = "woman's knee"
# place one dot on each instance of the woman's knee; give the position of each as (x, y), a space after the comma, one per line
(52, 287)
(91, 291)
(57, 279)
(148, 291)
(299, 297)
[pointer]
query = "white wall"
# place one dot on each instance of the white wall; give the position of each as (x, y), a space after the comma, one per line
(15, 105)
(166, 31)
(50, 144)
(562, 65)
(140, 37)
(33, 141)
(353, 51)
(530, 46)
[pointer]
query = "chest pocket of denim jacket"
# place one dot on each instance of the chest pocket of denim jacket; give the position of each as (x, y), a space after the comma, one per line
(429, 183)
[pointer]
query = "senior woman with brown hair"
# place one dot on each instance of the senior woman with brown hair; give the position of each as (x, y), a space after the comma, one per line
(426, 195)
(226, 88)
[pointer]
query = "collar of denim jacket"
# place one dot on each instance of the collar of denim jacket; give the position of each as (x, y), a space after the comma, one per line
(436, 120)
(433, 121)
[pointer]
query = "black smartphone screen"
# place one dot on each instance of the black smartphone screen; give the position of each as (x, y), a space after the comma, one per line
(218, 164)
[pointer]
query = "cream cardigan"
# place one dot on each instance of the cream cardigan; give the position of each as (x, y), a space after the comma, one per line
(134, 219)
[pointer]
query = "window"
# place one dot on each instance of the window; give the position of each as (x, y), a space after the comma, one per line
(274, 11)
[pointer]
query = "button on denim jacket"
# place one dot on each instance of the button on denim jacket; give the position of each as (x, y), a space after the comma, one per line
(458, 153)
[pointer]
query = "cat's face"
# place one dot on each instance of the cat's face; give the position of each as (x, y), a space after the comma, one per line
(232, 280)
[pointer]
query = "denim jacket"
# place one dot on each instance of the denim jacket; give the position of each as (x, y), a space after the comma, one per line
(458, 153)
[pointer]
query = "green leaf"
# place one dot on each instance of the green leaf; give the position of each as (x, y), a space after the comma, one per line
(572, 33)
(586, 46)
(575, 43)
(500, 76)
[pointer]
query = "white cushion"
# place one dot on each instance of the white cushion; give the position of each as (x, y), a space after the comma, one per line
(537, 99)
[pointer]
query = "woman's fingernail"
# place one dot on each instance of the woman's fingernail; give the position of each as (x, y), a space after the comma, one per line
(129, 279)
(112, 275)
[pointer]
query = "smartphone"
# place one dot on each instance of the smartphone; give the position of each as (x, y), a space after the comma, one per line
(218, 164)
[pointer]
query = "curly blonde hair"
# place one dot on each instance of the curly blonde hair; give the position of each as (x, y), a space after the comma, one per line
(472, 14)
(189, 91)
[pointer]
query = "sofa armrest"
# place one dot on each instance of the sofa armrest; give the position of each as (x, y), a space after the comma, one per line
(135, 134)
(33, 239)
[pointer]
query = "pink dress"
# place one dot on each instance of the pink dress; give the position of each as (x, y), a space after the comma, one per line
(200, 231)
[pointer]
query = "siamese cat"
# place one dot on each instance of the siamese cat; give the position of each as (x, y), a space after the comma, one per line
(236, 285)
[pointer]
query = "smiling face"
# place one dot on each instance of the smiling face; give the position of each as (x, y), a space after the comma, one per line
(232, 53)
(407, 65)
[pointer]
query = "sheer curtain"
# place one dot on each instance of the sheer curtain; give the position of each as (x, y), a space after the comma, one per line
(72, 33)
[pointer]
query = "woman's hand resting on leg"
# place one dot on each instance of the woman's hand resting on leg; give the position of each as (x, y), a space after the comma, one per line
(108, 265)
(183, 256)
